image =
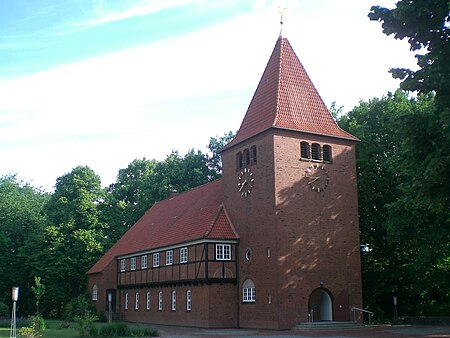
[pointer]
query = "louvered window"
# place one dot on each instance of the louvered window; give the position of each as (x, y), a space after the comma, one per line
(238, 161)
(246, 157)
(253, 157)
(304, 150)
(316, 153)
(326, 150)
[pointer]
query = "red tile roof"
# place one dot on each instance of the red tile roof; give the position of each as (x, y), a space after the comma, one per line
(192, 215)
(286, 98)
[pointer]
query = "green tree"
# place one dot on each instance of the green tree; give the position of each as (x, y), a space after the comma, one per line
(74, 237)
(21, 226)
(405, 241)
(38, 289)
(426, 25)
(215, 145)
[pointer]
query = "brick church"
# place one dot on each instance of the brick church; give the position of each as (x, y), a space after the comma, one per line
(271, 244)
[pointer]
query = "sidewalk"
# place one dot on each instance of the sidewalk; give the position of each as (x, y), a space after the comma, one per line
(376, 331)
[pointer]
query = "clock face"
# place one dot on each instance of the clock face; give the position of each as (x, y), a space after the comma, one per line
(317, 177)
(245, 182)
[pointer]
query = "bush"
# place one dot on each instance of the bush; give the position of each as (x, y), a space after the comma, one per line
(114, 330)
(37, 322)
(144, 332)
(86, 326)
(78, 307)
(4, 310)
(29, 332)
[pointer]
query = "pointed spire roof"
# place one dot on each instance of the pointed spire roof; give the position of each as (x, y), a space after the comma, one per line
(286, 98)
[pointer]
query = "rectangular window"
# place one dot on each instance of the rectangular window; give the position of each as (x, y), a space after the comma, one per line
(174, 300)
(248, 294)
(94, 292)
(188, 300)
(136, 301)
(223, 252)
(126, 301)
(156, 260)
(169, 257)
(160, 300)
(133, 263)
(144, 262)
(148, 301)
(123, 264)
(183, 255)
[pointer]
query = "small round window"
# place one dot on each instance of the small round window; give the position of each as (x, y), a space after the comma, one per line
(248, 255)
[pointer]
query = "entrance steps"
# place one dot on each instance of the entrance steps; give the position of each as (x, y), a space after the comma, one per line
(328, 325)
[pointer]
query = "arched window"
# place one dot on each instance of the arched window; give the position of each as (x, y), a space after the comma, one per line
(188, 300)
(253, 155)
(174, 300)
(246, 157)
(248, 291)
(148, 301)
(316, 153)
(95, 292)
(326, 151)
(136, 301)
(304, 150)
(238, 161)
(160, 301)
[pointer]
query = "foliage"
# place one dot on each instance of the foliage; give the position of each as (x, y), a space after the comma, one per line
(4, 310)
(426, 25)
(215, 145)
(78, 307)
(22, 224)
(29, 332)
(37, 322)
(86, 326)
(38, 289)
(74, 238)
(404, 204)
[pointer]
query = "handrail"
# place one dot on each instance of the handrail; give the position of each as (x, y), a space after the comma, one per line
(354, 309)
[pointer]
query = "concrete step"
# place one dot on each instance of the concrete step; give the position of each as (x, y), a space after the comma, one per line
(328, 325)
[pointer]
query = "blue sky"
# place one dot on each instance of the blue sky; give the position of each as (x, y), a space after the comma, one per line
(100, 83)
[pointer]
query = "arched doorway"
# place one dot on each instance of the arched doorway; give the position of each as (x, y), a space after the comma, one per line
(320, 305)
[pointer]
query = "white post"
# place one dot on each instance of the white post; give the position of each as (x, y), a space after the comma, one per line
(15, 297)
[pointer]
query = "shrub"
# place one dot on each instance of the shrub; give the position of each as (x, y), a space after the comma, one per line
(114, 330)
(29, 332)
(4, 310)
(37, 322)
(144, 332)
(78, 307)
(86, 326)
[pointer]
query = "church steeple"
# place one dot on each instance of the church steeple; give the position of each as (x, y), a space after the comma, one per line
(286, 98)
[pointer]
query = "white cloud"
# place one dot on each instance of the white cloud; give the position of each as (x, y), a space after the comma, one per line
(176, 93)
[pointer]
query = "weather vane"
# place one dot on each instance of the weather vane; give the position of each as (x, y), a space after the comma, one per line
(281, 10)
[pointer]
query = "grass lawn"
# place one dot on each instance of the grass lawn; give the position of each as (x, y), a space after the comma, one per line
(53, 330)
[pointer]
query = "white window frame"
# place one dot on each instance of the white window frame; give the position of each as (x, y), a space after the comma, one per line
(184, 255)
(144, 262)
(148, 301)
(169, 257)
(160, 301)
(133, 263)
(248, 292)
(223, 252)
(123, 265)
(156, 260)
(95, 292)
(188, 300)
(136, 301)
(126, 301)
(174, 300)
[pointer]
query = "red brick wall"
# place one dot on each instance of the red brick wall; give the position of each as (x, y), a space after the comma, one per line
(212, 306)
(104, 281)
(313, 237)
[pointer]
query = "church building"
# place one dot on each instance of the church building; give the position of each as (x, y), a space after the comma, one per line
(273, 243)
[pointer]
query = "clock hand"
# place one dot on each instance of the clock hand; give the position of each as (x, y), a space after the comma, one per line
(242, 185)
(314, 179)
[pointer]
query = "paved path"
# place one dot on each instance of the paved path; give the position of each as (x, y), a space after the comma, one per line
(378, 331)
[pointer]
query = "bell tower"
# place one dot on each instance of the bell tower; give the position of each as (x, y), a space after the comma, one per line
(290, 190)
